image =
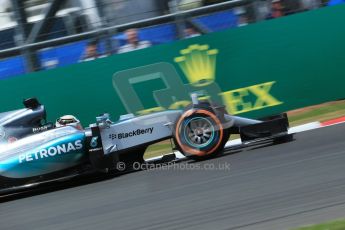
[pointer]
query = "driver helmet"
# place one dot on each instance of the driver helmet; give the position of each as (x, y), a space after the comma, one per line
(69, 120)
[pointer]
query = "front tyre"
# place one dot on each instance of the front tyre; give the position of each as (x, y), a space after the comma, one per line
(199, 134)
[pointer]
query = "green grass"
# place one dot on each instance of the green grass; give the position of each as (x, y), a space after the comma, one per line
(334, 225)
(321, 112)
(158, 149)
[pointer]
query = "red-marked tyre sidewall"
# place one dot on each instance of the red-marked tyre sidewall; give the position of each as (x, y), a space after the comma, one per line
(216, 137)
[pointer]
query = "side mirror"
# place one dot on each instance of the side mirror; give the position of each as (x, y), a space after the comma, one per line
(31, 103)
(103, 120)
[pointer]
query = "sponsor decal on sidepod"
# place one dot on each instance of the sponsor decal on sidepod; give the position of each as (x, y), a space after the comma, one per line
(133, 133)
(51, 151)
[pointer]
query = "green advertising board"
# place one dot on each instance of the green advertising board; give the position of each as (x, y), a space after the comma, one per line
(257, 70)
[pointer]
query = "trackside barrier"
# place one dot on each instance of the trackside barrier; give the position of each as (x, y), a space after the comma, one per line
(257, 70)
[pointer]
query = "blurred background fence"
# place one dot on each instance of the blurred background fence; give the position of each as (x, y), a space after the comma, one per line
(44, 34)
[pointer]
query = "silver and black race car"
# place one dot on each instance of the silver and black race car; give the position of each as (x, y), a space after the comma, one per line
(33, 152)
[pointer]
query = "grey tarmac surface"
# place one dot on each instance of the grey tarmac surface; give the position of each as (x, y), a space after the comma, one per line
(273, 187)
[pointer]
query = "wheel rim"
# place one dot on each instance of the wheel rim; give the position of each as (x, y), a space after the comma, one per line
(199, 132)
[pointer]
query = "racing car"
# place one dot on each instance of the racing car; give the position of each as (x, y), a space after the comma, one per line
(34, 152)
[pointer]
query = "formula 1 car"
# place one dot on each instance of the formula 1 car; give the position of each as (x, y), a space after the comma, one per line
(33, 152)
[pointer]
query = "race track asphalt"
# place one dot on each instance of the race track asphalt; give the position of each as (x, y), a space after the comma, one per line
(272, 187)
